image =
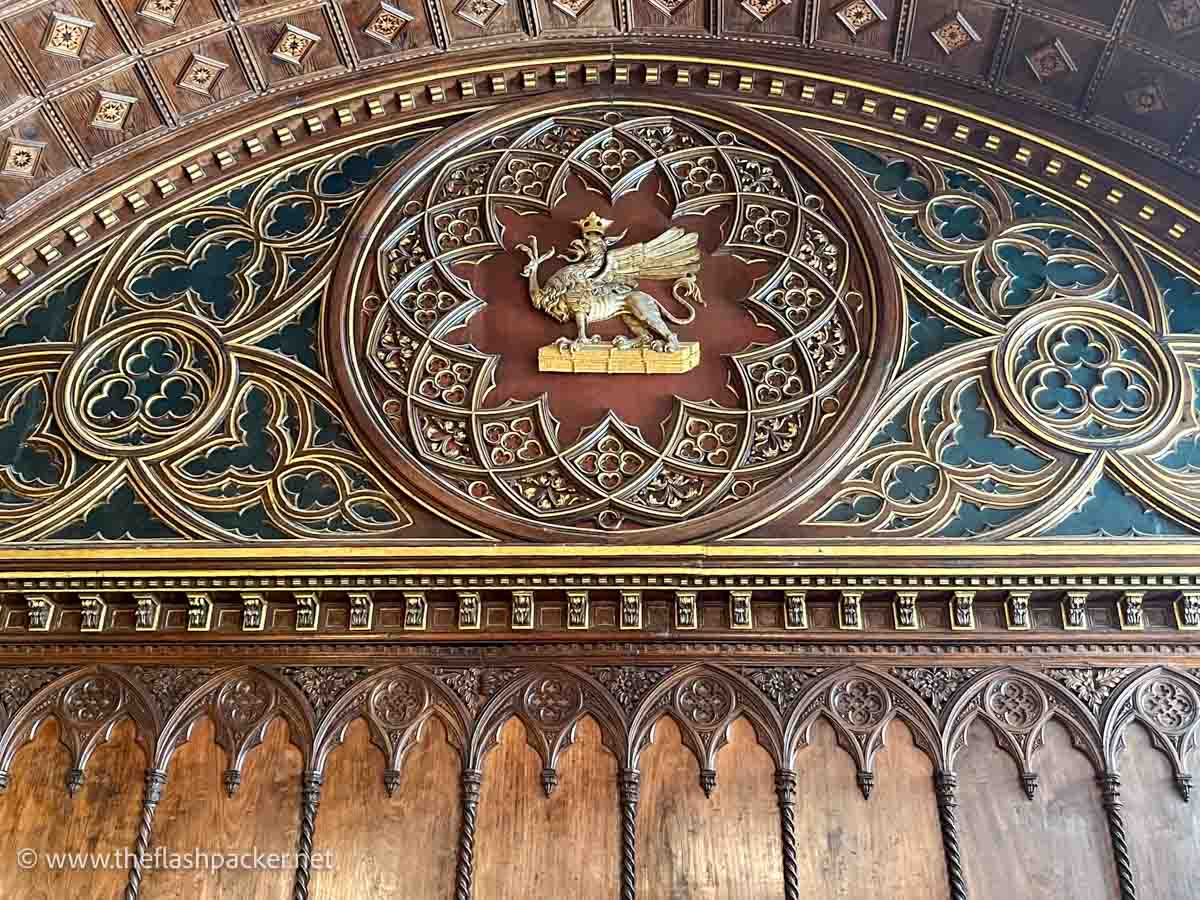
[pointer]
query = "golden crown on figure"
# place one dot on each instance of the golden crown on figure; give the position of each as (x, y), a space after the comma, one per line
(594, 224)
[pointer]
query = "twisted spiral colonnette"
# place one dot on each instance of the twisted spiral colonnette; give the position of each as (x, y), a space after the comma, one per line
(156, 780)
(1110, 794)
(630, 793)
(464, 874)
(785, 790)
(947, 801)
(308, 822)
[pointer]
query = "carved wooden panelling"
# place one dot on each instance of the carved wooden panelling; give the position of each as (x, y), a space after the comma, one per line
(266, 735)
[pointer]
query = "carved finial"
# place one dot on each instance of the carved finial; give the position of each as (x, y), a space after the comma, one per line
(549, 781)
(866, 782)
(1029, 781)
(1183, 782)
(708, 781)
(232, 779)
(391, 781)
(593, 224)
(74, 781)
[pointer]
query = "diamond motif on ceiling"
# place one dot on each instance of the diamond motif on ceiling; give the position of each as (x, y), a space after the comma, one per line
(112, 110)
(954, 34)
(294, 44)
(66, 35)
(201, 74)
(1147, 98)
(165, 11)
(573, 8)
(479, 12)
(670, 7)
(859, 15)
(21, 158)
(1050, 61)
(388, 23)
(761, 9)
(1182, 16)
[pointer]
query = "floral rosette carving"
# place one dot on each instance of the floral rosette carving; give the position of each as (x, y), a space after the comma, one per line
(435, 391)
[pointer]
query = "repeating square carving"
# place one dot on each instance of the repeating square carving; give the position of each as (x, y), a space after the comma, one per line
(1050, 61)
(1147, 98)
(21, 158)
(1182, 16)
(859, 15)
(955, 33)
(112, 111)
(761, 9)
(294, 44)
(670, 7)
(66, 35)
(201, 74)
(479, 12)
(165, 11)
(573, 8)
(388, 23)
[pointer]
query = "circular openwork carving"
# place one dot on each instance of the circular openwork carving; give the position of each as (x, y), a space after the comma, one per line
(1168, 704)
(704, 701)
(517, 334)
(859, 703)
(243, 702)
(553, 701)
(91, 700)
(1088, 376)
(149, 386)
(1015, 703)
(397, 702)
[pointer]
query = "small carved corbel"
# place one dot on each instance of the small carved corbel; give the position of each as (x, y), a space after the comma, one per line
(1016, 611)
(308, 611)
(522, 610)
(631, 610)
(362, 611)
(904, 611)
(795, 610)
(686, 613)
(149, 612)
(200, 612)
(741, 611)
(416, 611)
(577, 610)
(95, 613)
(962, 611)
(850, 611)
(1074, 610)
(40, 614)
(1130, 613)
(470, 612)
(254, 612)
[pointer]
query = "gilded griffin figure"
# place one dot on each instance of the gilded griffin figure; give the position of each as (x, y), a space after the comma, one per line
(599, 284)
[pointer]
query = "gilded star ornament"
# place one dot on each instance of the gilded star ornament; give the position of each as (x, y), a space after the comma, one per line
(201, 74)
(66, 35)
(387, 24)
(112, 111)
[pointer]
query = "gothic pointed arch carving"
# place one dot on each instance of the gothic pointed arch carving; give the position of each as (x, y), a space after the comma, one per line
(1167, 703)
(241, 703)
(88, 704)
(397, 704)
(1016, 705)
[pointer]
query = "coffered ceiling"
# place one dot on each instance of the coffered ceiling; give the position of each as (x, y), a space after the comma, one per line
(83, 82)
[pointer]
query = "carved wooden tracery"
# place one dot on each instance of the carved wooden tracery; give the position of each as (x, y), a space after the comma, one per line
(938, 704)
